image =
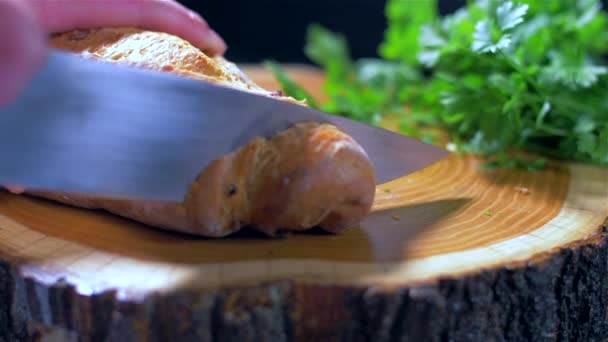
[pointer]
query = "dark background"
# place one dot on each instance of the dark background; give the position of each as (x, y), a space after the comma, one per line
(256, 30)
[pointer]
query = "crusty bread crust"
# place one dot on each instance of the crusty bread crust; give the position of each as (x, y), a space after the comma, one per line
(160, 52)
(308, 175)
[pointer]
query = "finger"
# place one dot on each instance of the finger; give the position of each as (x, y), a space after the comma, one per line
(22, 48)
(158, 15)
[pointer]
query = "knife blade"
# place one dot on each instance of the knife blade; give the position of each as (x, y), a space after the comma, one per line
(113, 130)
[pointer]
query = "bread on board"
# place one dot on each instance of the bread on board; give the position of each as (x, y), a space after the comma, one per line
(309, 175)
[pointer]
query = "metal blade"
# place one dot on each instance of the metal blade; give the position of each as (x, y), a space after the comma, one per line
(110, 130)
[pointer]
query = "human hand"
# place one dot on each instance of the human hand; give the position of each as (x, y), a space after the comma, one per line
(22, 47)
(26, 24)
(158, 15)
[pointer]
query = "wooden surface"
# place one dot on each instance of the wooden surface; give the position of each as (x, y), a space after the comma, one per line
(449, 221)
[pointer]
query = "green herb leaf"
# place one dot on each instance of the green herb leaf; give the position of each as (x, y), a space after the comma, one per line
(405, 19)
(503, 76)
(289, 86)
(484, 40)
(510, 15)
(573, 76)
(431, 43)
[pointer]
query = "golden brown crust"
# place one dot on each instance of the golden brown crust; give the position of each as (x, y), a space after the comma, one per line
(308, 175)
(160, 52)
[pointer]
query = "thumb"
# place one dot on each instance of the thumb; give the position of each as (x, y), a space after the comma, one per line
(22, 48)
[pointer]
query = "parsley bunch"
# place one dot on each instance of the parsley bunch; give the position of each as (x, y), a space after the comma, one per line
(499, 76)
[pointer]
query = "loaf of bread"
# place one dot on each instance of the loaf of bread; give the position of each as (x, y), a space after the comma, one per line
(309, 175)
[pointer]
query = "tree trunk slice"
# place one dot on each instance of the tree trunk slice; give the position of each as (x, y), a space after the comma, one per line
(448, 253)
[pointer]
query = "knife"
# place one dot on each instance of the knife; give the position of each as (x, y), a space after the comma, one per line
(113, 130)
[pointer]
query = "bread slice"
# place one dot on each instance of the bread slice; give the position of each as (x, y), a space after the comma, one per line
(308, 175)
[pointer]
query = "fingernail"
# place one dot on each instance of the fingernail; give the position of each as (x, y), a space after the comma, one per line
(194, 15)
(217, 41)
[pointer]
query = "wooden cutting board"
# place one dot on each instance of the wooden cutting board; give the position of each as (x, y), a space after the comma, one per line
(449, 253)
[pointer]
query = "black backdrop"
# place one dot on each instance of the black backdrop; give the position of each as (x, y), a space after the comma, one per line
(275, 29)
